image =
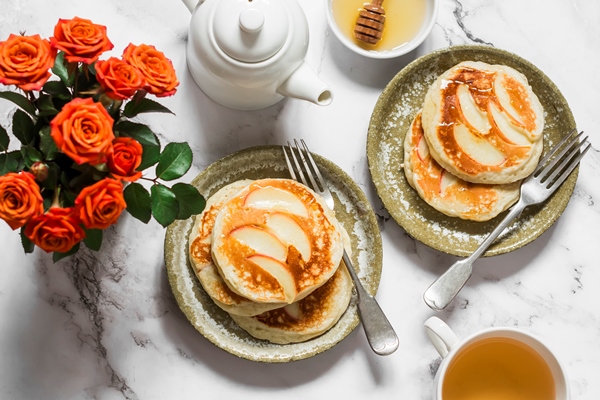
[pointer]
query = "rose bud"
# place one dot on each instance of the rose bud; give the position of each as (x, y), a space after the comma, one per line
(40, 171)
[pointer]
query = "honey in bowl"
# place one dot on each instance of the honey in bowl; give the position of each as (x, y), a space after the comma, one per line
(403, 20)
(498, 369)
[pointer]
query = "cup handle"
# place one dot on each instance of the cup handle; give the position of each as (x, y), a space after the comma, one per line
(441, 336)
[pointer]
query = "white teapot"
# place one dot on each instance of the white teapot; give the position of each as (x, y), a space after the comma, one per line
(249, 54)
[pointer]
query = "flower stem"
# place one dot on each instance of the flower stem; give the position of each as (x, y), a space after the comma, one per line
(76, 81)
(155, 180)
(55, 200)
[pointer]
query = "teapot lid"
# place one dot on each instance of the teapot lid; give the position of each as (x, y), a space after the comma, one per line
(250, 30)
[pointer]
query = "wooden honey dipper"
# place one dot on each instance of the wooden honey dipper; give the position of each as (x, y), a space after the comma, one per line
(369, 25)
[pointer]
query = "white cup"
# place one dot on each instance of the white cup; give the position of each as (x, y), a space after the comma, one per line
(448, 346)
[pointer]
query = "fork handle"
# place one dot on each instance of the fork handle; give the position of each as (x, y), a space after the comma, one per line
(446, 287)
(380, 334)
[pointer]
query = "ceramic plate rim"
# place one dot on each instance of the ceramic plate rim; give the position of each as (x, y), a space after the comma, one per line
(186, 288)
(409, 219)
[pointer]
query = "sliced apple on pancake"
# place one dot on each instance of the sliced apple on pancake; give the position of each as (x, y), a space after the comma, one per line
(279, 271)
(288, 231)
(422, 148)
(512, 133)
(477, 148)
(261, 241)
(270, 198)
(474, 116)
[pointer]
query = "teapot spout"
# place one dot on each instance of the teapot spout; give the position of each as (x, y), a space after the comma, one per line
(191, 4)
(304, 84)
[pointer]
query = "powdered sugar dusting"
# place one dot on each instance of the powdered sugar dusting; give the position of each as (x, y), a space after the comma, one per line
(392, 116)
(354, 214)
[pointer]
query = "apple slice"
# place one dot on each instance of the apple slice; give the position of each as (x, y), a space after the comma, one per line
(262, 241)
(422, 148)
(477, 148)
(279, 271)
(270, 198)
(477, 118)
(288, 231)
(512, 133)
(293, 311)
(446, 180)
(504, 97)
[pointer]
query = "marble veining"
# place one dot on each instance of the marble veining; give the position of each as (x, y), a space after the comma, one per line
(105, 325)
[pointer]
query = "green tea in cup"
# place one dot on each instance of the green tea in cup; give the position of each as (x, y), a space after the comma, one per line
(495, 364)
(498, 368)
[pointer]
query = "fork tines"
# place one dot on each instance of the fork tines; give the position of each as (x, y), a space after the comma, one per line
(562, 159)
(310, 168)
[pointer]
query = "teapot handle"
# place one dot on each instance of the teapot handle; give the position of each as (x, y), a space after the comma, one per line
(192, 4)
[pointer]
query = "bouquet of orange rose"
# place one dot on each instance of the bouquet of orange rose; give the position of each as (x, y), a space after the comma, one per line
(81, 152)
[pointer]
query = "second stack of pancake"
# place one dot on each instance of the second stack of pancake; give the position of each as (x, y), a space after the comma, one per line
(477, 136)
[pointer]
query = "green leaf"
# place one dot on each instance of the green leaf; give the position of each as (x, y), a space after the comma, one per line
(47, 144)
(191, 202)
(28, 245)
(150, 156)
(68, 198)
(65, 180)
(56, 256)
(61, 70)
(58, 89)
(138, 202)
(139, 132)
(47, 203)
(174, 161)
(10, 162)
(164, 205)
(133, 107)
(31, 155)
(19, 100)
(4, 139)
(114, 109)
(92, 68)
(93, 239)
(85, 81)
(46, 106)
(23, 127)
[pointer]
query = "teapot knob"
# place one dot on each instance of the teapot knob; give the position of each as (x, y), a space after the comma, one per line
(251, 31)
(251, 20)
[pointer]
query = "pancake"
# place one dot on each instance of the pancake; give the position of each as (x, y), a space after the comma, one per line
(483, 123)
(276, 241)
(203, 265)
(445, 192)
(305, 319)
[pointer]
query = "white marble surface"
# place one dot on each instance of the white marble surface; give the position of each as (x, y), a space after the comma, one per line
(106, 326)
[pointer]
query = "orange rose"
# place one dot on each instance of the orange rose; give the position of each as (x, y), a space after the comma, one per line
(80, 39)
(56, 230)
(20, 198)
(99, 206)
(156, 68)
(25, 61)
(126, 157)
(83, 131)
(119, 80)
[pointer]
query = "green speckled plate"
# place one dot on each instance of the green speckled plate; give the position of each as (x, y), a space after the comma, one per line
(391, 118)
(353, 211)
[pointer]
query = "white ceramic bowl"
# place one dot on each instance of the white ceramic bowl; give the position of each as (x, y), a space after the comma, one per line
(426, 27)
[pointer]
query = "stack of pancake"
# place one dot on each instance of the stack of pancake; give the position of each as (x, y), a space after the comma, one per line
(268, 252)
(477, 136)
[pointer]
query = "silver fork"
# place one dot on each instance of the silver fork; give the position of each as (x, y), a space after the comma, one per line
(379, 331)
(550, 173)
